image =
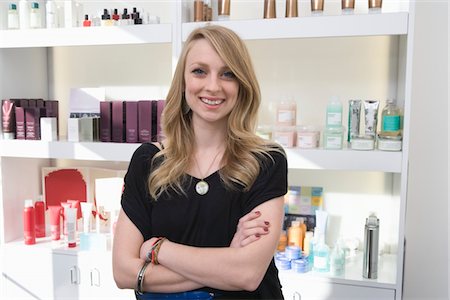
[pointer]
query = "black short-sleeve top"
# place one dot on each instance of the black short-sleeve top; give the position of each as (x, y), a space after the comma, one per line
(208, 220)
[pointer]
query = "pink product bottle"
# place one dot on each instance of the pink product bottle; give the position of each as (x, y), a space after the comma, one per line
(39, 211)
(286, 113)
(29, 224)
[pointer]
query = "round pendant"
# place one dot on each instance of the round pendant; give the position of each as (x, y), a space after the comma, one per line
(202, 187)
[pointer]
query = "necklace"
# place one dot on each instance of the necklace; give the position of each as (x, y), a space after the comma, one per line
(202, 187)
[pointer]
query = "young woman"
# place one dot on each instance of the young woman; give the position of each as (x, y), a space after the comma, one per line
(202, 211)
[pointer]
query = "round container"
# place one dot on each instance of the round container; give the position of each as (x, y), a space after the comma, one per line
(285, 136)
(292, 252)
(283, 263)
(300, 265)
(333, 138)
(308, 137)
(264, 131)
(362, 142)
(390, 143)
(286, 113)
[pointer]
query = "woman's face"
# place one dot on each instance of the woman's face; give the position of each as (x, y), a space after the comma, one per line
(211, 88)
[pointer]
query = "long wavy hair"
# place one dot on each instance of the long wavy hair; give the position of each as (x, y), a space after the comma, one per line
(244, 149)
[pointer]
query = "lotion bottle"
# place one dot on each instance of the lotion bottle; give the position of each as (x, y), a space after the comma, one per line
(39, 210)
(29, 224)
(35, 16)
(13, 17)
(334, 113)
(50, 14)
(24, 14)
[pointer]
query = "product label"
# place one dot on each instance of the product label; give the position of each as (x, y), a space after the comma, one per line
(320, 262)
(286, 117)
(391, 123)
(334, 119)
(333, 142)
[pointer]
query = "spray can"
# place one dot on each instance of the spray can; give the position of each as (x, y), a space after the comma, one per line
(371, 236)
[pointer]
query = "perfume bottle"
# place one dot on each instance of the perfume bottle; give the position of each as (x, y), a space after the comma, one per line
(35, 15)
(13, 17)
(391, 119)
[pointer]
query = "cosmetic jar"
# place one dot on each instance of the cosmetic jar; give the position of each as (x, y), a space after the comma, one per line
(347, 6)
(389, 143)
(286, 113)
(291, 9)
(283, 263)
(375, 6)
(333, 138)
(293, 252)
(308, 137)
(363, 142)
(300, 265)
(285, 136)
(317, 7)
(270, 11)
(264, 131)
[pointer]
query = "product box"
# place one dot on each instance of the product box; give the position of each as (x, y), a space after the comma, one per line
(154, 120)
(159, 110)
(105, 121)
(304, 200)
(20, 123)
(32, 123)
(131, 121)
(145, 121)
(118, 122)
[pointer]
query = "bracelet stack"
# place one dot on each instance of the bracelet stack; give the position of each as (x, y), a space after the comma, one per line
(150, 257)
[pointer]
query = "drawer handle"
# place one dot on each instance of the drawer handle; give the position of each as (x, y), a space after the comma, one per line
(297, 296)
(74, 275)
(95, 277)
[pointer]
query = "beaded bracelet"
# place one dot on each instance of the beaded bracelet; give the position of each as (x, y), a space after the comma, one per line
(140, 278)
(152, 254)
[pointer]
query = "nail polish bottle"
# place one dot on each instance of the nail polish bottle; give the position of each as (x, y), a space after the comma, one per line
(35, 16)
(137, 20)
(115, 17)
(133, 15)
(106, 18)
(86, 22)
(125, 18)
(13, 17)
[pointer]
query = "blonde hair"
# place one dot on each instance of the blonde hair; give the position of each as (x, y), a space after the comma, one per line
(244, 149)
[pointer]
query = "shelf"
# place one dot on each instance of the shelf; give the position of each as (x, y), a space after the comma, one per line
(346, 159)
(310, 159)
(68, 150)
(316, 26)
(82, 36)
(387, 272)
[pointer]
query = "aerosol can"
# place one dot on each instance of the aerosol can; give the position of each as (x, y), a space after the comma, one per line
(371, 237)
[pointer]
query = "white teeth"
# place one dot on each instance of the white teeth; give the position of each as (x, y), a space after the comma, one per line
(211, 102)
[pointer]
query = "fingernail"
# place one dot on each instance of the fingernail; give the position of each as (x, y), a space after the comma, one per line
(267, 223)
(257, 235)
(266, 229)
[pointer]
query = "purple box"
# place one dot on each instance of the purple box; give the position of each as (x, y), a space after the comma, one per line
(154, 120)
(20, 123)
(118, 118)
(32, 123)
(105, 121)
(23, 103)
(160, 108)
(131, 121)
(8, 118)
(145, 121)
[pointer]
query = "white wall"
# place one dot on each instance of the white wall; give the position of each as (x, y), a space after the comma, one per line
(426, 264)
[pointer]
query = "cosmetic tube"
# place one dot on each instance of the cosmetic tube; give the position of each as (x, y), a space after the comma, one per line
(198, 11)
(29, 230)
(270, 11)
(8, 119)
(70, 222)
(371, 117)
(347, 6)
(76, 204)
(291, 9)
(317, 7)
(354, 116)
(39, 210)
(224, 10)
(55, 221)
(64, 206)
(86, 210)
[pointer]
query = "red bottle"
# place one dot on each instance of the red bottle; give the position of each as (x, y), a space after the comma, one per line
(39, 211)
(29, 230)
(86, 22)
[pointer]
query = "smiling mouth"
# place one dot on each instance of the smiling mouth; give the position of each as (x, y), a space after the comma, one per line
(212, 102)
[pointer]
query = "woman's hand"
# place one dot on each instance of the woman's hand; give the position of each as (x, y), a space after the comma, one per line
(249, 229)
(145, 247)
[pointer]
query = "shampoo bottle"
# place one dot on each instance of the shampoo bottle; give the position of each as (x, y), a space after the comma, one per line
(13, 17)
(39, 210)
(334, 113)
(29, 230)
(35, 16)
(24, 14)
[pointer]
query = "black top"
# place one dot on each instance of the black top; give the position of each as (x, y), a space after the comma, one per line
(208, 220)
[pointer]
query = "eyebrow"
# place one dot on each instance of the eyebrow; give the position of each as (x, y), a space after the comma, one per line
(203, 65)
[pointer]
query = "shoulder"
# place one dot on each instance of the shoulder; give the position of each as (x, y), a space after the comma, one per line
(145, 152)
(273, 156)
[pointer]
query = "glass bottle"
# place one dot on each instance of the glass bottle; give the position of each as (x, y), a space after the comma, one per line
(391, 119)
(337, 261)
(35, 15)
(13, 17)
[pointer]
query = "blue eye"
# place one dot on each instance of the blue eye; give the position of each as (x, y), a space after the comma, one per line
(198, 71)
(229, 74)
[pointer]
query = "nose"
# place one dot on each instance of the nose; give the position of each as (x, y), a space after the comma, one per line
(213, 83)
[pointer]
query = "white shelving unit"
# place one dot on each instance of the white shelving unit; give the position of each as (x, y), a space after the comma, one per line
(20, 161)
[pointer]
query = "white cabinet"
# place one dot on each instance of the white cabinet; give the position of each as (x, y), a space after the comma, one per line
(309, 58)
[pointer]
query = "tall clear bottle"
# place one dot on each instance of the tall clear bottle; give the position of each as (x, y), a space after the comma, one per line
(391, 116)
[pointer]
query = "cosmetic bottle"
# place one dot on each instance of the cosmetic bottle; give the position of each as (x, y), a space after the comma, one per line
(137, 19)
(106, 18)
(354, 119)
(333, 138)
(334, 113)
(24, 14)
(371, 108)
(337, 261)
(307, 243)
(286, 113)
(35, 16)
(291, 9)
(347, 6)
(50, 14)
(13, 17)
(39, 210)
(115, 16)
(371, 241)
(391, 120)
(270, 9)
(125, 19)
(317, 7)
(375, 6)
(295, 235)
(86, 22)
(321, 255)
(224, 10)
(209, 11)
(29, 223)
(198, 11)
